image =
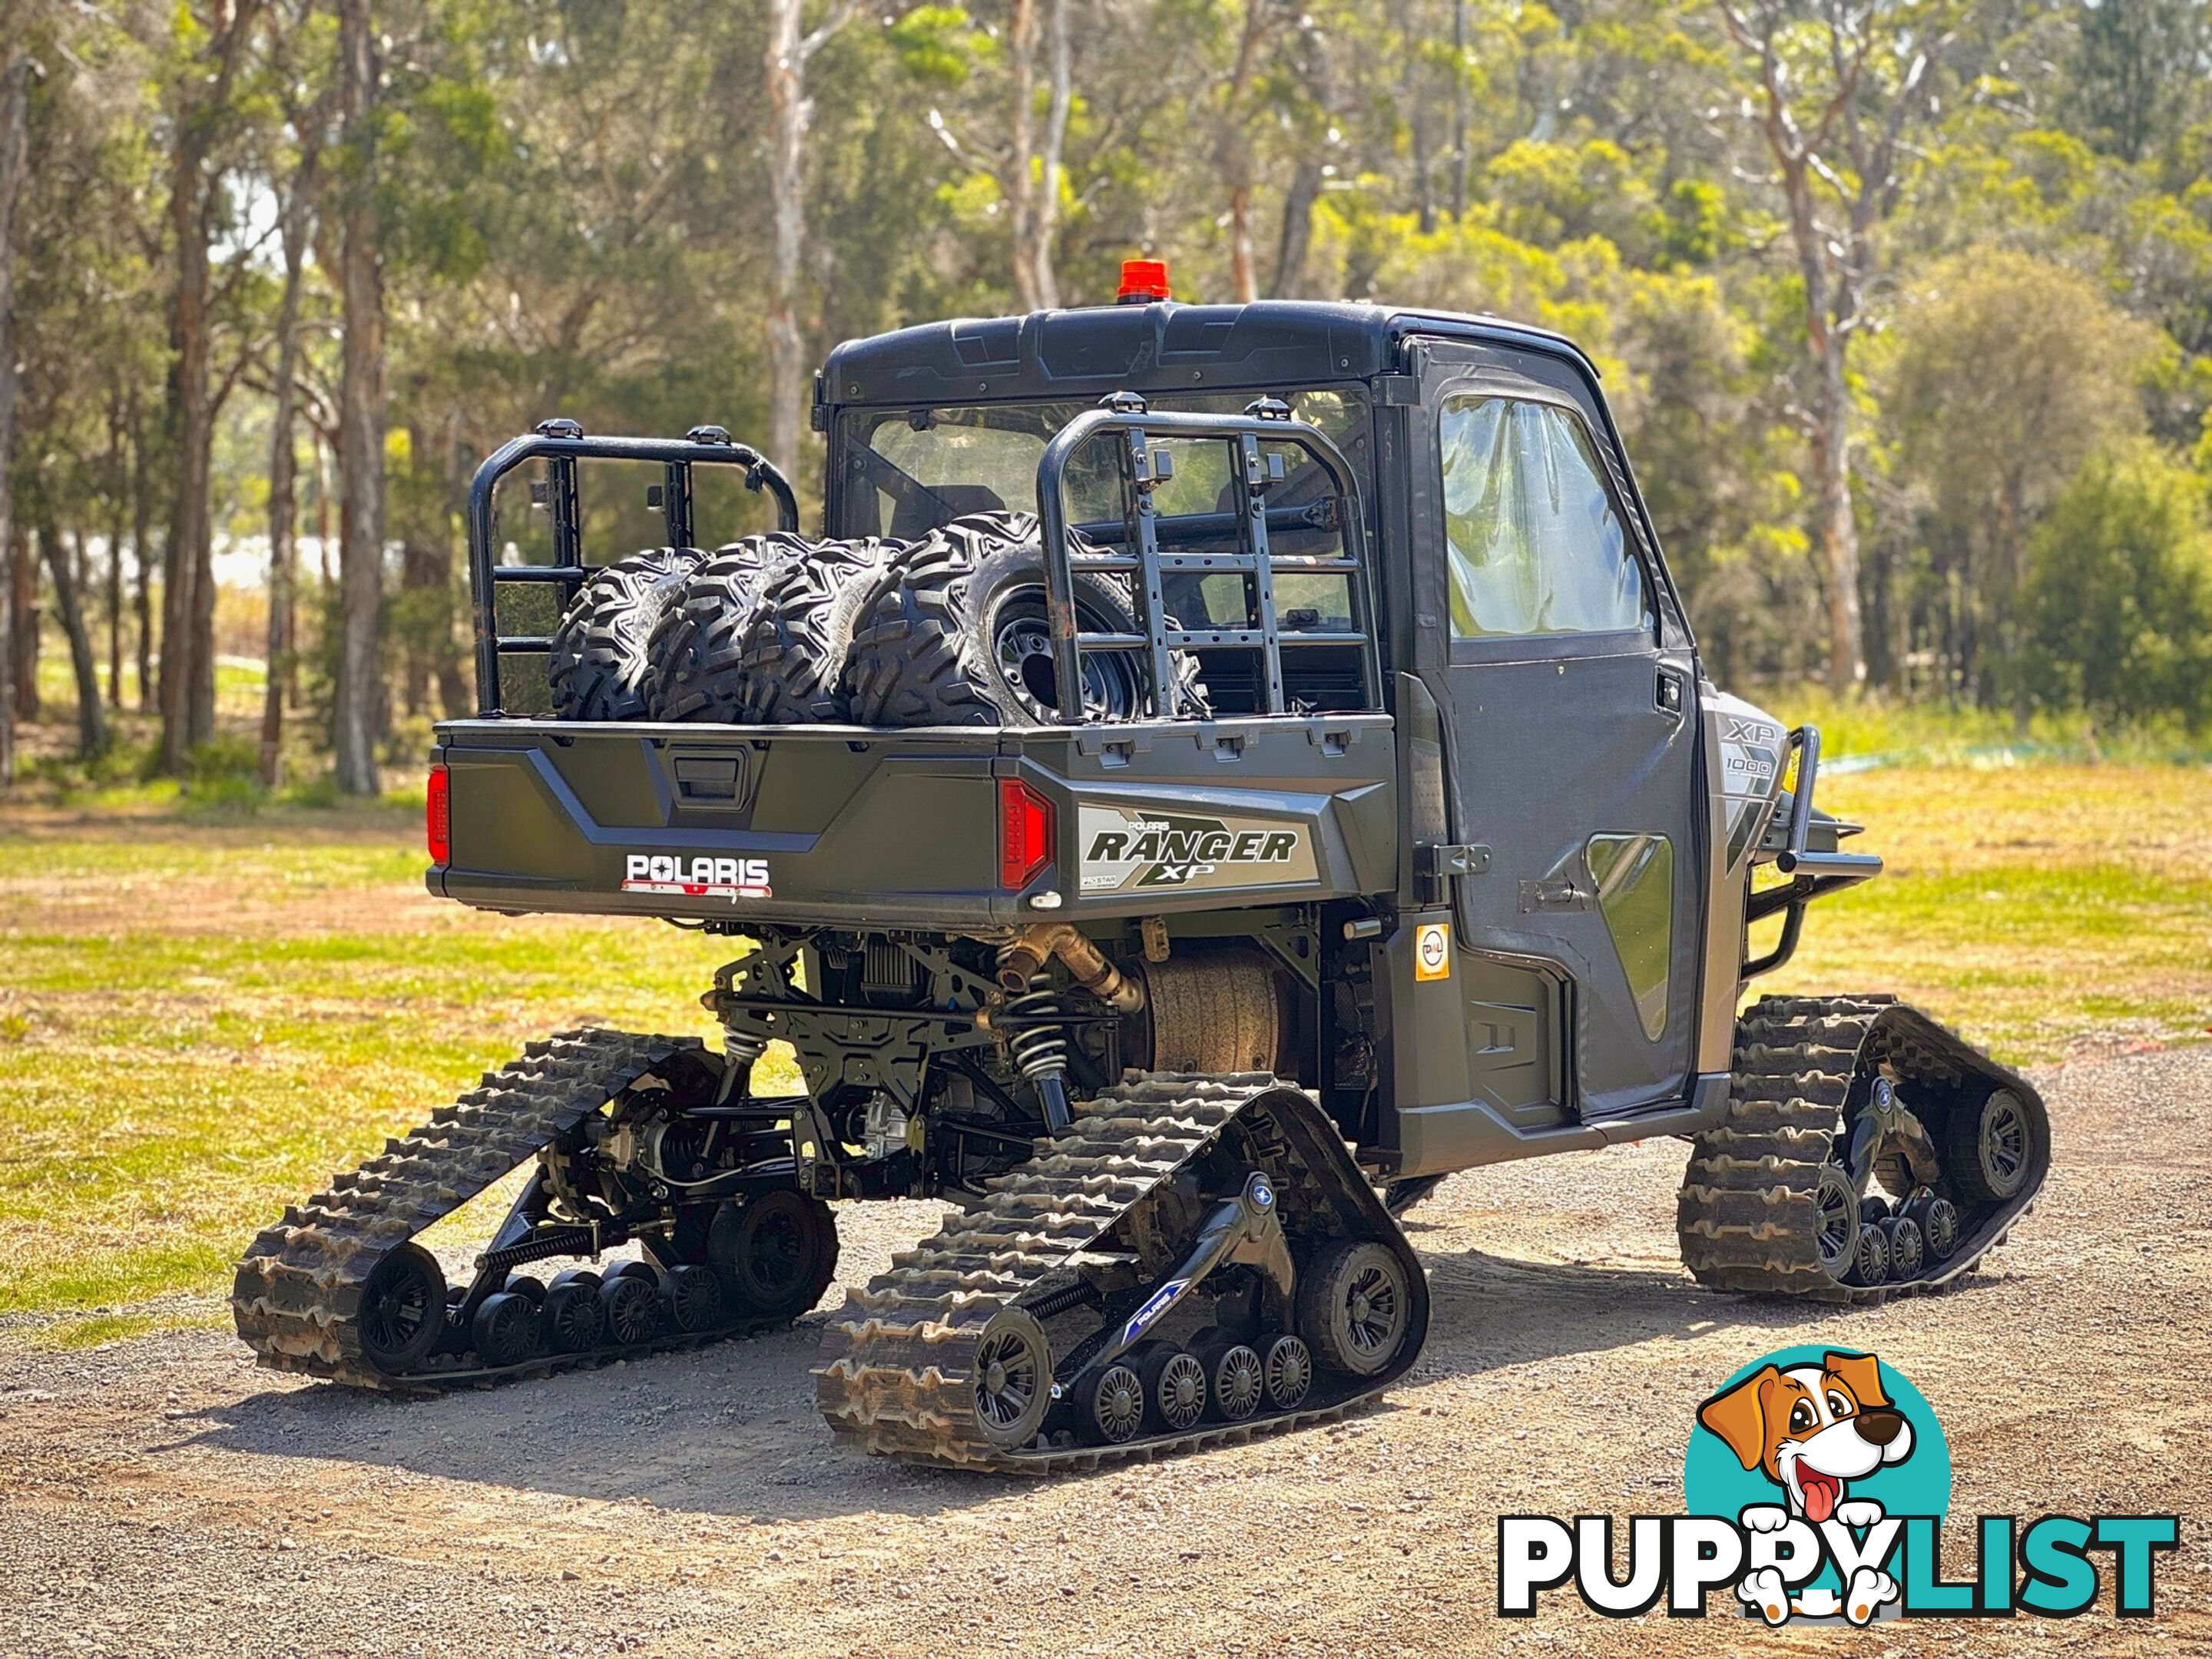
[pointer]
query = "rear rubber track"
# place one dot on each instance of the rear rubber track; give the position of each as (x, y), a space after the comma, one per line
(297, 1292)
(1745, 1213)
(899, 1359)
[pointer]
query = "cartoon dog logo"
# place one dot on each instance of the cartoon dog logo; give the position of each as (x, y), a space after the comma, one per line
(1813, 1429)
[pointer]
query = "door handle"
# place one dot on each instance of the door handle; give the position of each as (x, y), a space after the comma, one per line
(1668, 693)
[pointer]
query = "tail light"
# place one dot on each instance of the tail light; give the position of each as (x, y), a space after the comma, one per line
(440, 818)
(1026, 833)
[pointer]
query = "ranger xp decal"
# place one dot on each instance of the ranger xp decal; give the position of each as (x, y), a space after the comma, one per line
(1127, 849)
(700, 878)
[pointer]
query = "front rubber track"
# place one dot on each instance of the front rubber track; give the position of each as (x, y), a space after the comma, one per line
(1745, 1213)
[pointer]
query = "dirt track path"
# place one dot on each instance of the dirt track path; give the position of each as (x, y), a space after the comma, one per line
(162, 1496)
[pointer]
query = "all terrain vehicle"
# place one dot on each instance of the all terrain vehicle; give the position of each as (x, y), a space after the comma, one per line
(1223, 770)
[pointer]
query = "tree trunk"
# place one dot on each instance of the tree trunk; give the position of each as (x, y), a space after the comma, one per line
(358, 712)
(142, 555)
(1297, 229)
(1838, 528)
(191, 436)
(1056, 148)
(14, 100)
(1022, 198)
(284, 472)
(115, 599)
(23, 614)
(91, 717)
(789, 112)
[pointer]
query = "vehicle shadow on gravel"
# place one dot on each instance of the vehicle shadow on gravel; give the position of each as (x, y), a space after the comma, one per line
(732, 1429)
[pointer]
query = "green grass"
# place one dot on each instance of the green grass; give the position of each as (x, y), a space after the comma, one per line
(201, 1017)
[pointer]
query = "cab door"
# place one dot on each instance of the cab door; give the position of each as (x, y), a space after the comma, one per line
(1567, 687)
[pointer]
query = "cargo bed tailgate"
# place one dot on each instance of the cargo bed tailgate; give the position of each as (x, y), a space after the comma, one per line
(822, 825)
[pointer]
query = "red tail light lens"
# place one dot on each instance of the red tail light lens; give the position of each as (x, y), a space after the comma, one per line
(1026, 833)
(440, 817)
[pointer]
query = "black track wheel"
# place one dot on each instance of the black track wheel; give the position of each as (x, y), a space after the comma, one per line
(641, 1271)
(1353, 1304)
(695, 652)
(1110, 1406)
(792, 645)
(631, 1308)
(1870, 1258)
(585, 1276)
(953, 632)
(1236, 1379)
(1907, 1252)
(525, 1285)
(1874, 1210)
(571, 1320)
(1938, 1220)
(505, 1330)
(600, 666)
(1836, 1218)
(776, 1254)
(403, 1310)
(1287, 1365)
(691, 1298)
(1175, 1386)
(1990, 1150)
(1012, 1385)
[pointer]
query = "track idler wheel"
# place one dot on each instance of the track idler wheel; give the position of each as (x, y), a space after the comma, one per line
(1870, 1260)
(1287, 1365)
(403, 1310)
(1112, 1407)
(1013, 1378)
(1354, 1302)
(1837, 1217)
(505, 1330)
(1990, 1150)
(571, 1319)
(776, 1254)
(631, 1306)
(1938, 1221)
(1907, 1254)
(691, 1298)
(1175, 1387)
(1236, 1380)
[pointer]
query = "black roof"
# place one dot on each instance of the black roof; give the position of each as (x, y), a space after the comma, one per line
(1086, 353)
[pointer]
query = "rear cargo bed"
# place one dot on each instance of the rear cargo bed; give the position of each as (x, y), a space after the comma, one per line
(901, 828)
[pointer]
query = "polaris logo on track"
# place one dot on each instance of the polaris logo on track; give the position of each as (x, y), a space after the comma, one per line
(1132, 847)
(699, 877)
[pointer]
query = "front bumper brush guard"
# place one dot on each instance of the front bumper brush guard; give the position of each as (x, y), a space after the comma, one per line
(1814, 874)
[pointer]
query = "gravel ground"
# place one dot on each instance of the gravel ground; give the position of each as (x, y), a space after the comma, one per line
(162, 1497)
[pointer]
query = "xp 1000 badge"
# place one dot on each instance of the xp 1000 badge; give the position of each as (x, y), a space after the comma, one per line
(1135, 849)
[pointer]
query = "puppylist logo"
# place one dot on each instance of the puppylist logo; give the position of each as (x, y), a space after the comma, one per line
(1816, 1482)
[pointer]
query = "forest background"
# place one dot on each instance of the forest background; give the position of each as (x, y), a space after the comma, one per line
(1906, 309)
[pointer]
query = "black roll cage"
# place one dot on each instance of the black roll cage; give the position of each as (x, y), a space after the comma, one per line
(561, 443)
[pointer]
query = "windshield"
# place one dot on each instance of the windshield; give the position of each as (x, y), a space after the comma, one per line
(907, 472)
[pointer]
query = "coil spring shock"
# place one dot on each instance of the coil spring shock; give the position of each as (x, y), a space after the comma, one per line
(1041, 1049)
(739, 1050)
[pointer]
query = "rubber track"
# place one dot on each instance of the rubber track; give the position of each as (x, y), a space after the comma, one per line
(898, 1358)
(297, 1291)
(1746, 1215)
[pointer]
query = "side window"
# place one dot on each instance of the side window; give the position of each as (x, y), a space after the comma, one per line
(1534, 544)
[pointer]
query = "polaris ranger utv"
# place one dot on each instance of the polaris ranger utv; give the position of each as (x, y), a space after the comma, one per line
(1223, 770)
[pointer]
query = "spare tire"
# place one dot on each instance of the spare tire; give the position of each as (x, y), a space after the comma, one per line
(601, 666)
(953, 632)
(695, 651)
(793, 643)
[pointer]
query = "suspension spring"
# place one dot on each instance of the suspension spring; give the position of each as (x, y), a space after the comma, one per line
(739, 1050)
(1041, 1049)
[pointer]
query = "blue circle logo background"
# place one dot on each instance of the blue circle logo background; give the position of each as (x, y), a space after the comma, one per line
(1714, 1483)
